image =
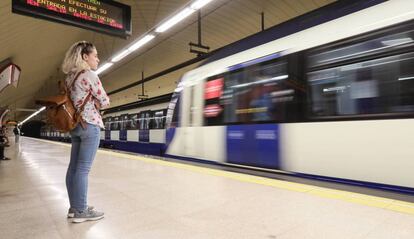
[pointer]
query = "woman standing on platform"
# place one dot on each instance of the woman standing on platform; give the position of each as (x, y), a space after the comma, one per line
(85, 88)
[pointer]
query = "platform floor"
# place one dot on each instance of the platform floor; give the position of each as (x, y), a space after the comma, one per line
(151, 198)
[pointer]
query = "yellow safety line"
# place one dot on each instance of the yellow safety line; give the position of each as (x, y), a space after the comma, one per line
(358, 198)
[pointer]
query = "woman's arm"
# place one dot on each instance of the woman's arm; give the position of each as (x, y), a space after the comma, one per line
(101, 99)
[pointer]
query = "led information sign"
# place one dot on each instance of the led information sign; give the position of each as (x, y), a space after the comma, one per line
(104, 16)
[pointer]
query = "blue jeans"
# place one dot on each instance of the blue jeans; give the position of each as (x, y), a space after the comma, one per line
(85, 143)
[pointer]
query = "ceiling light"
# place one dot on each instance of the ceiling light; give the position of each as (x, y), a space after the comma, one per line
(121, 55)
(103, 68)
(406, 78)
(175, 19)
(32, 115)
(141, 42)
(199, 4)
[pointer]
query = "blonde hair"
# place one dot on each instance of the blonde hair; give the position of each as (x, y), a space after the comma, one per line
(73, 61)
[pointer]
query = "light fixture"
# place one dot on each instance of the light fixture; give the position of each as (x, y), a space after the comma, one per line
(103, 68)
(121, 55)
(187, 11)
(199, 4)
(141, 42)
(175, 19)
(32, 115)
(406, 78)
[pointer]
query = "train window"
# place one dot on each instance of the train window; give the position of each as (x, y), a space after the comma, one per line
(108, 122)
(158, 120)
(133, 121)
(173, 111)
(213, 95)
(379, 86)
(256, 94)
(144, 120)
(115, 124)
(401, 37)
(124, 122)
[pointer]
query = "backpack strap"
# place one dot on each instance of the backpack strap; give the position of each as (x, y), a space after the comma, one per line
(88, 98)
(76, 77)
(79, 115)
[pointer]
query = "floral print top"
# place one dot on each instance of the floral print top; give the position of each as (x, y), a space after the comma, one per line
(88, 82)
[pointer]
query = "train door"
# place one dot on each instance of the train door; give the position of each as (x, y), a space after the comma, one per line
(186, 106)
(158, 121)
(108, 122)
(123, 127)
(197, 105)
(144, 125)
(192, 120)
(115, 126)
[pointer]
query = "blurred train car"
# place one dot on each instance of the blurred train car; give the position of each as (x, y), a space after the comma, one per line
(139, 130)
(137, 127)
(328, 95)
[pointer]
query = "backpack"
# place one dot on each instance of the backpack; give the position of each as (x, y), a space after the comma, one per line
(60, 110)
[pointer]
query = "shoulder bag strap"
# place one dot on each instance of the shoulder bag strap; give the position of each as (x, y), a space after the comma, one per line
(88, 97)
(76, 77)
(79, 112)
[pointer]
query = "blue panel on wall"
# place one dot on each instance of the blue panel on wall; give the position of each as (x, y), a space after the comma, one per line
(107, 134)
(254, 145)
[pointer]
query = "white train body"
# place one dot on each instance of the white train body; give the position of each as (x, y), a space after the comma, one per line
(372, 149)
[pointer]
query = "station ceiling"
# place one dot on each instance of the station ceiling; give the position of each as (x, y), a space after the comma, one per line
(38, 46)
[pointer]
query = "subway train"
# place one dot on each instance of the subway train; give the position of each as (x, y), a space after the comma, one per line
(137, 128)
(328, 95)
